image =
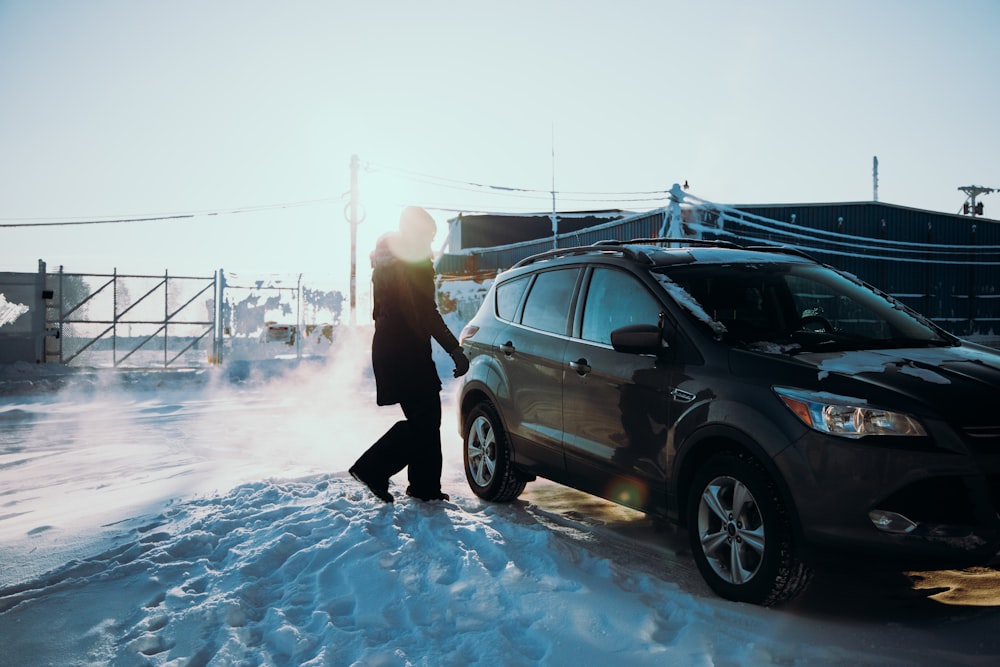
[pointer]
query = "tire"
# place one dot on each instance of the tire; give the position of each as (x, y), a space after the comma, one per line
(488, 467)
(741, 534)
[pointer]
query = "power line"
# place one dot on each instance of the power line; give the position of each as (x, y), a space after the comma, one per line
(482, 189)
(66, 223)
(654, 194)
(87, 220)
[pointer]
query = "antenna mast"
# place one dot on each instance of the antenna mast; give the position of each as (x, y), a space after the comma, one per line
(554, 218)
(875, 178)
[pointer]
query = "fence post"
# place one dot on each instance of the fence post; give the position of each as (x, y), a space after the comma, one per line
(166, 316)
(114, 317)
(220, 286)
(38, 314)
(299, 319)
(62, 312)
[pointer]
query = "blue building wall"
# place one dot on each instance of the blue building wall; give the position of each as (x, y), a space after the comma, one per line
(944, 266)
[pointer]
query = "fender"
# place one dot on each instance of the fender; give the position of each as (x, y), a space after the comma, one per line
(483, 374)
(706, 427)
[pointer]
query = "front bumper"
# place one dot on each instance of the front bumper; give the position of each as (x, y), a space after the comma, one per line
(911, 504)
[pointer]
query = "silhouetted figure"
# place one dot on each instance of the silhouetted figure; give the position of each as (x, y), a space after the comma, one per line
(406, 319)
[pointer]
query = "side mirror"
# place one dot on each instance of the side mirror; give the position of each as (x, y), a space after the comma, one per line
(638, 339)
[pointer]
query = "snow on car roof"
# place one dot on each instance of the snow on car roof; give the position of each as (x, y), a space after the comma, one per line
(712, 255)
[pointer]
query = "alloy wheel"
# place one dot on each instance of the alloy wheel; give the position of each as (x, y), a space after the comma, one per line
(482, 451)
(731, 530)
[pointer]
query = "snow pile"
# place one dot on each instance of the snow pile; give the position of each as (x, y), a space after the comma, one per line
(315, 571)
(10, 311)
(460, 298)
(151, 518)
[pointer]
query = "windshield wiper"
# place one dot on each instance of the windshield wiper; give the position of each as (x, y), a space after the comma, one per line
(903, 341)
(832, 341)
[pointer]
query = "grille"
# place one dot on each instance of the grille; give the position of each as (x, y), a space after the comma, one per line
(993, 484)
(983, 440)
(983, 432)
(942, 500)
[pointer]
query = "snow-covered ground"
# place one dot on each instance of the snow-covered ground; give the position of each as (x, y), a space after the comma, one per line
(196, 518)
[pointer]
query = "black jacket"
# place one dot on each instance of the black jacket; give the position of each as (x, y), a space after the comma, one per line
(406, 318)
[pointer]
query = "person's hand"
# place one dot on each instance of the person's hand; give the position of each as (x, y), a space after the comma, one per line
(461, 362)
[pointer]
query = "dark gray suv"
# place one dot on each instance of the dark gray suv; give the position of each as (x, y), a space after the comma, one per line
(779, 409)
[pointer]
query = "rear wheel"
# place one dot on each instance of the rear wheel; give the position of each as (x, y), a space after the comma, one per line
(741, 534)
(488, 467)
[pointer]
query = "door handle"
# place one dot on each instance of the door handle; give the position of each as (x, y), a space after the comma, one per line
(682, 396)
(507, 348)
(580, 366)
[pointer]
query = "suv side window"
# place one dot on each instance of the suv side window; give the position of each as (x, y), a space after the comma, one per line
(509, 296)
(549, 301)
(616, 299)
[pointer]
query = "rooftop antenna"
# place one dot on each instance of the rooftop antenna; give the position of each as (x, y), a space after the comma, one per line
(971, 207)
(554, 218)
(875, 178)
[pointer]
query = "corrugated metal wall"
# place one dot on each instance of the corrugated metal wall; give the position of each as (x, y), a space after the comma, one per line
(492, 260)
(944, 266)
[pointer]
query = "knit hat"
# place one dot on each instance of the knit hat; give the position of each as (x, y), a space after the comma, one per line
(417, 225)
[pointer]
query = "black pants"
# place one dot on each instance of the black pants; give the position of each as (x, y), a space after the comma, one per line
(414, 444)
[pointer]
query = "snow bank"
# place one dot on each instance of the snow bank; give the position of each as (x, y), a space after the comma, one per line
(314, 571)
(206, 518)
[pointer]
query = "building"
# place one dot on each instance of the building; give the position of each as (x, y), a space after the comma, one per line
(946, 266)
(489, 230)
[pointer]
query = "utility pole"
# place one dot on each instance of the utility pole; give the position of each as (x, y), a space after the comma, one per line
(970, 207)
(351, 213)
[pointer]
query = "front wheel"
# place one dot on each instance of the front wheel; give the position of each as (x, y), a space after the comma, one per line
(488, 467)
(740, 533)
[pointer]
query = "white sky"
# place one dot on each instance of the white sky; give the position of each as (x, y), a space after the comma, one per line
(126, 109)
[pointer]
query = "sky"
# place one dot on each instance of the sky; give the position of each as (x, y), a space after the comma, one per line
(236, 122)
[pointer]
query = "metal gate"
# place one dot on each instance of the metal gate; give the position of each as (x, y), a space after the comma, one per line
(117, 320)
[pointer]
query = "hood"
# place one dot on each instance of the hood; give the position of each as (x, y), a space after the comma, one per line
(960, 384)
(394, 246)
(382, 254)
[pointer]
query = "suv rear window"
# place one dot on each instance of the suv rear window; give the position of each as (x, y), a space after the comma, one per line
(509, 296)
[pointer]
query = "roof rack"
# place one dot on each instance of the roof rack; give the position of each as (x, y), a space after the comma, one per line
(670, 239)
(717, 243)
(583, 250)
(782, 249)
(622, 248)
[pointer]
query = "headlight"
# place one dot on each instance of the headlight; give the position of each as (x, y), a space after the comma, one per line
(846, 417)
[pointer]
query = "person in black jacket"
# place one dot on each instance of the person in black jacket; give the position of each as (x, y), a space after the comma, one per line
(406, 318)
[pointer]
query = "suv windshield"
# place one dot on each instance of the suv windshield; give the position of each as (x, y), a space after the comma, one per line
(797, 306)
